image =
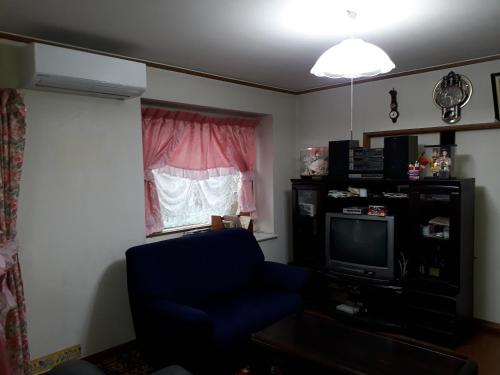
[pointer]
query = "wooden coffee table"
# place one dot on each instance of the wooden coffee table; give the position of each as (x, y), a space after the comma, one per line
(341, 349)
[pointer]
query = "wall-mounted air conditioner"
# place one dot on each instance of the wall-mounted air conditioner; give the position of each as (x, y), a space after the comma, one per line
(52, 68)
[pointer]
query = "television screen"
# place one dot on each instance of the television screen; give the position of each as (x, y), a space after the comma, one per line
(359, 241)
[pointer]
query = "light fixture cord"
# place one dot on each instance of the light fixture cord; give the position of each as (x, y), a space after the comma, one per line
(352, 16)
(352, 104)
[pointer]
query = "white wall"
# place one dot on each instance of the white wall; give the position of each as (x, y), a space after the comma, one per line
(324, 116)
(81, 206)
(279, 126)
(10, 58)
(82, 200)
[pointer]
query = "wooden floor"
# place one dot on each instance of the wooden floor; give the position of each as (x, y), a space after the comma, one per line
(484, 348)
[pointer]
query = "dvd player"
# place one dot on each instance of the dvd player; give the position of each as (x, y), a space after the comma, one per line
(355, 210)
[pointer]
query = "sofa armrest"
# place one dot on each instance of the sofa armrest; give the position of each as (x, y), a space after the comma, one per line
(164, 311)
(282, 276)
(182, 324)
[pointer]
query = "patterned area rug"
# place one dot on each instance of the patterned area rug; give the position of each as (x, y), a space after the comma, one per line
(124, 359)
(127, 360)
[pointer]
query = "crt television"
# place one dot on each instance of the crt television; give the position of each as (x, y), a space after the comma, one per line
(360, 245)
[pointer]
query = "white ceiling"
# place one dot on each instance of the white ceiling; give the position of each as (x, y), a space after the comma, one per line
(270, 42)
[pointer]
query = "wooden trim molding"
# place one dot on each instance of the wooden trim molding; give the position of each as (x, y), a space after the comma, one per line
(367, 136)
(405, 73)
(145, 102)
(177, 69)
(151, 64)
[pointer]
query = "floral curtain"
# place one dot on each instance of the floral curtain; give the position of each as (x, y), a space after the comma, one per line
(196, 146)
(14, 353)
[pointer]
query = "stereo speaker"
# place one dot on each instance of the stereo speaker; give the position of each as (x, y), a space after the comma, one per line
(398, 153)
(338, 158)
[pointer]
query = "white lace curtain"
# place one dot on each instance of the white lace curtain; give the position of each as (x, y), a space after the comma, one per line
(185, 201)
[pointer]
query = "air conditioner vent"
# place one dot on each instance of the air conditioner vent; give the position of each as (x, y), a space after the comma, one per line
(61, 69)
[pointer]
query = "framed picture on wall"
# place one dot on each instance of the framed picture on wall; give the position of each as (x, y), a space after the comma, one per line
(495, 84)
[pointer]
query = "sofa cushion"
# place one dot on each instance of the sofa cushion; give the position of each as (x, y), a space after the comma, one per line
(235, 318)
(193, 268)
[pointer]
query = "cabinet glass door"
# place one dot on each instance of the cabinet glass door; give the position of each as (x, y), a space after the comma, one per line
(436, 248)
(307, 202)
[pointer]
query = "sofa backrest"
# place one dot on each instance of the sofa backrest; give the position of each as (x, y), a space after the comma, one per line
(193, 268)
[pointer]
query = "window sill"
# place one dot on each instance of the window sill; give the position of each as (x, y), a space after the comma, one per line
(264, 236)
(259, 236)
(179, 230)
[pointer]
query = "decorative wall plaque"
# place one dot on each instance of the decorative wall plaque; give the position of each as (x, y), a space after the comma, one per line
(495, 85)
(394, 113)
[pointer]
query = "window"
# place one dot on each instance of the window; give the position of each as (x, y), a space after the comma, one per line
(196, 166)
(187, 202)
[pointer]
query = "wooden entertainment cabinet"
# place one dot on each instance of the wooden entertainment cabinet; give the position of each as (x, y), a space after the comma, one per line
(434, 298)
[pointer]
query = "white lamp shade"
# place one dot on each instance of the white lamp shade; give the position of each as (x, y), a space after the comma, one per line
(352, 58)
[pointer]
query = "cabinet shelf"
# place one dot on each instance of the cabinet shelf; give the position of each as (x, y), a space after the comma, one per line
(367, 318)
(435, 202)
(433, 329)
(432, 311)
(369, 198)
(432, 283)
(409, 290)
(434, 238)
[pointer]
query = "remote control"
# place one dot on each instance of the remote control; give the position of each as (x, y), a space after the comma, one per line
(348, 309)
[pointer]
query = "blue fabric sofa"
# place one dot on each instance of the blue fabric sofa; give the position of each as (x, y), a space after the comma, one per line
(206, 293)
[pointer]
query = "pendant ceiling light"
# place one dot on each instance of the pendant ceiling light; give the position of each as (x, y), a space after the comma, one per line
(352, 58)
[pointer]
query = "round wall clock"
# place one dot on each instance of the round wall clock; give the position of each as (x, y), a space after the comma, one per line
(452, 93)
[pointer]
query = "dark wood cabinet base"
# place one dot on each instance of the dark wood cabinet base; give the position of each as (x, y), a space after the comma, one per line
(429, 294)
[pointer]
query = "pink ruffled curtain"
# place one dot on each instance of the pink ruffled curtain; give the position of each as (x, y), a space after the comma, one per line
(14, 353)
(195, 146)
